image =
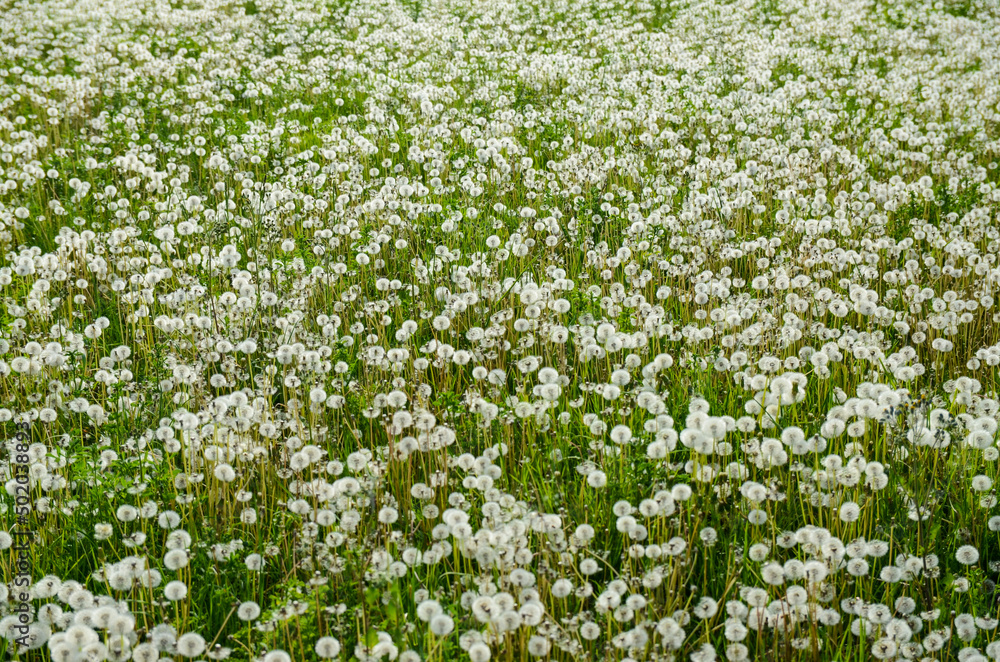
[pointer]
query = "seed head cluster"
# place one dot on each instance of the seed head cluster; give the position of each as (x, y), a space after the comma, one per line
(421, 330)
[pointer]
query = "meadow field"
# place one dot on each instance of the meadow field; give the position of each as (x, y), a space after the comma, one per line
(447, 330)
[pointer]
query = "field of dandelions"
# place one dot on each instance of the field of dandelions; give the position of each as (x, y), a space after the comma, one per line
(433, 330)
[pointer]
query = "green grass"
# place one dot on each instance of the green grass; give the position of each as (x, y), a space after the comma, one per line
(676, 101)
